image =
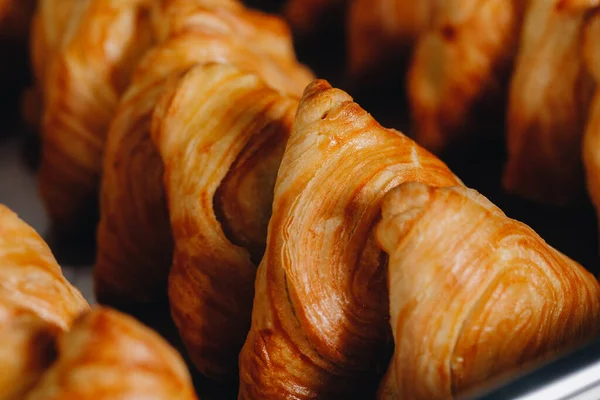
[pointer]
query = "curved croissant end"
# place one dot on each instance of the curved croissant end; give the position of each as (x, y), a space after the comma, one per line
(591, 141)
(134, 236)
(306, 15)
(83, 85)
(221, 133)
(108, 355)
(319, 322)
(36, 302)
(460, 64)
(381, 31)
(548, 106)
(508, 296)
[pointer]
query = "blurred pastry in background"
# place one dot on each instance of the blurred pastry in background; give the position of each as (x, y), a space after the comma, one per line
(460, 69)
(82, 75)
(36, 304)
(550, 96)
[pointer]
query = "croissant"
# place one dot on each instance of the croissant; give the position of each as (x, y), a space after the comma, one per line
(548, 105)
(108, 355)
(508, 296)
(82, 86)
(36, 303)
(460, 66)
(221, 144)
(135, 243)
(49, 23)
(319, 321)
(381, 32)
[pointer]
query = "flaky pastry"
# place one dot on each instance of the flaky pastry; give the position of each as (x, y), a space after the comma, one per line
(319, 321)
(81, 87)
(473, 293)
(221, 133)
(36, 303)
(134, 235)
(108, 355)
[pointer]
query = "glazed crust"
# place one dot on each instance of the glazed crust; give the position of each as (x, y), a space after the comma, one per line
(134, 235)
(460, 65)
(36, 303)
(221, 133)
(108, 355)
(509, 298)
(550, 93)
(319, 322)
(82, 85)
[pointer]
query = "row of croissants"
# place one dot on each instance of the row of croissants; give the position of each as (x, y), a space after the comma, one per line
(531, 65)
(303, 248)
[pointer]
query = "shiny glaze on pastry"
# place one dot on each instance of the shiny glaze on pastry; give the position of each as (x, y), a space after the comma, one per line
(134, 235)
(320, 316)
(473, 293)
(221, 133)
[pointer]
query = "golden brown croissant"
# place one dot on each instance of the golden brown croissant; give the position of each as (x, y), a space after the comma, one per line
(319, 322)
(36, 303)
(548, 106)
(221, 133)
(460, 64)
(82, 86)
(508, 297)
(383, 31)
(108, 355)
(134, 236)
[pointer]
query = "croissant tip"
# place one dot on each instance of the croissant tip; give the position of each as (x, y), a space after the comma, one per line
(315, 87)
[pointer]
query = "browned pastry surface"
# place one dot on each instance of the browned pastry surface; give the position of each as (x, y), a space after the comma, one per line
(81, 88)
(221, 133)
(36, 303)
(108, 355)
(550, 93)
(320, 319)
(380, 32)
(460, 65)
(473, 293)
(134, 235)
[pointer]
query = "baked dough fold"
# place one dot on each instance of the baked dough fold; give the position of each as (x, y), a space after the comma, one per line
(319, 321)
